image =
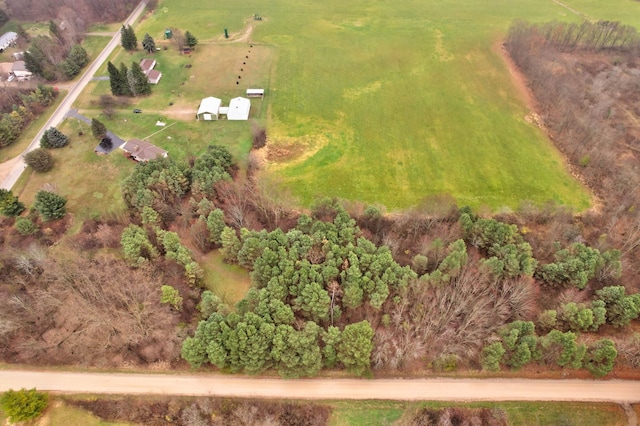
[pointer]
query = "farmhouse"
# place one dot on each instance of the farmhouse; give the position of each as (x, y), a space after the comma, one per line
(147, 65)
(7, 39)
(209, 109)
(20, 70)
(143, 151)
(239, 109)
(154, 76)
(255, 93)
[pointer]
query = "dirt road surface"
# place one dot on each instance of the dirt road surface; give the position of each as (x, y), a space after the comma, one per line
(619, 391)
(10, 177)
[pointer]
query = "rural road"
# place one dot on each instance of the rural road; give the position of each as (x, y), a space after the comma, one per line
(619, 391)
(56, 118)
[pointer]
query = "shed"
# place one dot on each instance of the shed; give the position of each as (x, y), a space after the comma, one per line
(143, 151)
(147, 65)
(255, 93)
(209, 109)
(239, 109)
(18, 56)
(19, 69)
(154, 76)
(7, 39)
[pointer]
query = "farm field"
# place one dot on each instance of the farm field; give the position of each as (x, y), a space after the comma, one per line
(393, 110)
(388, 111)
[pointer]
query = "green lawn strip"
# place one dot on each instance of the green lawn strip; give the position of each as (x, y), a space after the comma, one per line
(94, 45)
(102, 27)
(366, 413)
(229, 282)
(30, 131)
(91, 183)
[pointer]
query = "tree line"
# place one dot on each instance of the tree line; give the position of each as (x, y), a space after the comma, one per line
(29, 106)
(55, 56)
(589, 36)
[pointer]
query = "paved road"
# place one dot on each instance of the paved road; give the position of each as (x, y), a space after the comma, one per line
(620, 391)
(73, 94)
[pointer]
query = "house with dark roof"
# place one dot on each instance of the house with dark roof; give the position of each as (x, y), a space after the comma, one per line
(143, 151)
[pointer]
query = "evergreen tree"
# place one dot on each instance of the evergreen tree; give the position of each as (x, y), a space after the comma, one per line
(53, 138)
(98, 129)
(114, 79)
(138, 81)
(128, 38)
(148, 43)
(125, 87)
(190, 39)
(9, 204)
(50, 205)
(76, 60)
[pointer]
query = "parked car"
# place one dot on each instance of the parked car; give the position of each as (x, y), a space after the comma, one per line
(137, 111)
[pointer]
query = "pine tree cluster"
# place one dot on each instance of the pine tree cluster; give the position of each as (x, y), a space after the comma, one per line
(128, 81)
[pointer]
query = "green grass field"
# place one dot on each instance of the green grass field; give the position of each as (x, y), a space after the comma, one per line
(390, 103)
(383, 103)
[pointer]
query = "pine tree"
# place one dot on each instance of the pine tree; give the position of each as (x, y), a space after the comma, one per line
(124, 87)
(148, 43)
(50, 205)
(128, 38)
(191, 39)
(98, 129)
(114, 78)
(53, 138)
(138, 81)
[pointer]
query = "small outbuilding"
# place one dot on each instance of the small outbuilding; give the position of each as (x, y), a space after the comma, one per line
(255, 93)
(19, 69)
(209, 109)
(143, 151)
(147, 65)
(154, 76)
(7, 39)
(239, 109)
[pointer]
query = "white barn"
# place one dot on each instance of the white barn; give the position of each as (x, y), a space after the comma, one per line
(209, 109)
(7, 39)
(239, 109)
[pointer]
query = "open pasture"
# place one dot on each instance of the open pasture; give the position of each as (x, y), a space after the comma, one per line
(393, 102)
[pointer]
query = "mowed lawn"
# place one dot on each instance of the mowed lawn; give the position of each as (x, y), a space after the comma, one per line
(393, 102)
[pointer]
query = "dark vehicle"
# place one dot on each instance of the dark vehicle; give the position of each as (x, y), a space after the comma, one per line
(137, 111)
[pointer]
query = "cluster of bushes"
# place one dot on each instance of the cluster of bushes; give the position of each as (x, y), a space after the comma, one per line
(55, 56)
(518, 345)
(12, 124)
